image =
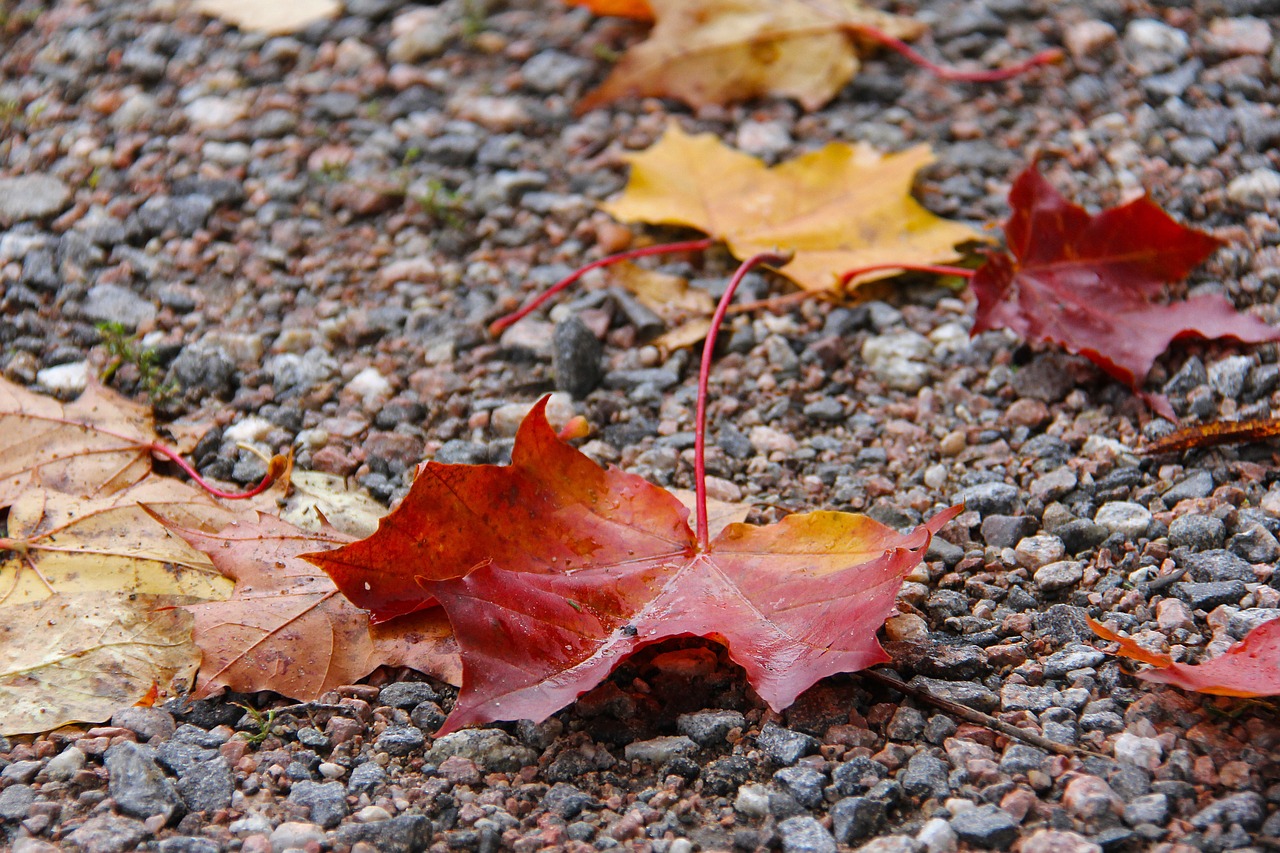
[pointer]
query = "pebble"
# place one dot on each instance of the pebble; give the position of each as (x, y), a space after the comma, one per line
(1254, 189)
(295, 835)
(138, 785)
(576, 357)
(1154, 46)
(1090, 798)
(1058, 841)
(65, 380)
(1149, 808)
(709, 728)
(985, 826)
(32, 197)
(327, 801)
(492, 750)
(1058, 576)
(1144, 752)
(855, 818)
(990, 498)
(1086, 39)
(366, 778)
(1197, 532)
(1037, 551)
(659, 750)
(108, 834)
(1217, 565)
(925, 776)
(400, 740)
(785, 746)
(804, 834)
(1128, 519)
(1246, 808)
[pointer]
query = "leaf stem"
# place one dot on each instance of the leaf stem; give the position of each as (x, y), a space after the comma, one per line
(938, 269)
(704, 373)
(993, 75)
(275, 469)
(501, 323)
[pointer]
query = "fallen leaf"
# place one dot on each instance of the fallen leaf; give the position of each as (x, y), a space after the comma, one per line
(638, 10)
(79, 657)
(838, 208)
(706, 52)
(97, 444)
(286, 628)
(317, 499)
(552, 570)
(276, 18)
(1092, 284)
(686, 310)
(720, 514)
(59, 543)
(1248, 668)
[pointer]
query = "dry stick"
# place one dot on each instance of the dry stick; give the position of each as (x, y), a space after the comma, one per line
(704, 373)
(981, 719)
(663, 249)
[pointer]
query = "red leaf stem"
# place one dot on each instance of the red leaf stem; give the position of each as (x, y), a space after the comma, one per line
(939, 269)
(993, 75)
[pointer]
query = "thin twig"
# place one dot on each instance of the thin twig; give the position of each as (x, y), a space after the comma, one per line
(977, 717)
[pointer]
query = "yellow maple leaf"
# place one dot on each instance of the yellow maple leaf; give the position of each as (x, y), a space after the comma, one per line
(716, 51)
(840, 208)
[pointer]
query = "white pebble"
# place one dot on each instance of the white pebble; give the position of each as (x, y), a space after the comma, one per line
(65, 379)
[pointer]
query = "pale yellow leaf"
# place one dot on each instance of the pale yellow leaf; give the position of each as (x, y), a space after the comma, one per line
(275, 17)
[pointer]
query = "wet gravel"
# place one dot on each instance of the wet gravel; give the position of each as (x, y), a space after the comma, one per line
(309, 235)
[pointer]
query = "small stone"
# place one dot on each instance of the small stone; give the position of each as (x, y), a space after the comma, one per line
(1172, 614)
(937, 836)
(370, 386)
(1037, 551)
(15, 800)
(1207, 596)
(1058, 841)
(1021, 697)
(1151, 808)
(553, 71)
(366, 777)
(1255, 189)
(1255, 544)
(407, 694)
(1074, 656)
(1154, 46)
(925, 776)
(1198, 484)
(1243, 36)
(659, 750)
(1058, 576)
(419, 34)
(708, 728)
(990, 498)
(108, 834)
(766, 439)
(1128, 519)
(1004, 531)
(1086, 39)
(1228, 376)
(854, 818)
(985, 826)
(64, 765)
(137, 783)
(803, 834)
(459, 770)
(327, 801)
(785, 746)
(1197, 532)
(1090, 798)
(32, 197)
(400, 740)
(1020, 758)
(1053, 485)
(492, 750)
(295, 835)
(752, 800)
(576, 355)
(1219, 565)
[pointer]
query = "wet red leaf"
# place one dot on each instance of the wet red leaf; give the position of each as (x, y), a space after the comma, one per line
(1094, 284)
(1249, 668)
(553, 569)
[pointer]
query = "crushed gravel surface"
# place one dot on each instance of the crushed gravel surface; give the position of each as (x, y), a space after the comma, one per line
(310, 233)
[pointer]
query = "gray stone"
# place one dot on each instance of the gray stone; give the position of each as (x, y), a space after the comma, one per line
(366, 777)
(926, 776)
(205, 367)
(567, 800)
(1128, 519)
(457, 451)
(1058, 576)
(1153, 46)
(975, 696)
(137, 783)
(110, 303)
(32, 197)
(1198, 484)
(1254, 189)
(576, 356)
(825, 410)
(1152, 808)
(1255, 544)
(296, 835)
(1020, 758)
(1021, 697)
(785, 746)
(659, 750)
(15, 800)
(1206, 596)
(985, 826)
(1005, 531)
(1219, 565)
(1227, 377)
(1081, 534)
(803, 834)
(1246, 809)
(405, 833)
(1241, 623)
(708, 728)
(184, 214)
(295, 375)
(1074, 656)
(21, 771)
(400, 740)
(658, 378)
(1197, 532)
(189, 844)
(803, 783)
(147, 723)
(857, 776)
(407, 694)
(108, 834)
(64, 765)
(1188, 378)
(206, 786)
(906, 724)
(492, 750)
(327, 801)
(552, 71)
(854, 818)
(989, 498)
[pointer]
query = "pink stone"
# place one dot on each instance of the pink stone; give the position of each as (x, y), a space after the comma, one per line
(459, 770)
(1018, 803)
(1089, 798)
(1058, 841)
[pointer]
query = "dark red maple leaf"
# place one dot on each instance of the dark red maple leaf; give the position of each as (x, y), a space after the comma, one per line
(1094, 283)
(553, 569)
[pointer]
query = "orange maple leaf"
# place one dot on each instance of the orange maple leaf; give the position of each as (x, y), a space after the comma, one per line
(553, 569)
(638, 10)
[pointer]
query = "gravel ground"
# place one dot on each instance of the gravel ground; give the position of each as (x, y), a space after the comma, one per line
(310, 234)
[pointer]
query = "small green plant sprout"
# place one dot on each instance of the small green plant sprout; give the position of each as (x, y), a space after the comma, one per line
(123, 348)
(443, 205)
(264, 722)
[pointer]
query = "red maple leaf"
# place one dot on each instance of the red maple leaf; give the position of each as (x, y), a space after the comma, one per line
(1246, 669)
(553, 569)
(1093, 284)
